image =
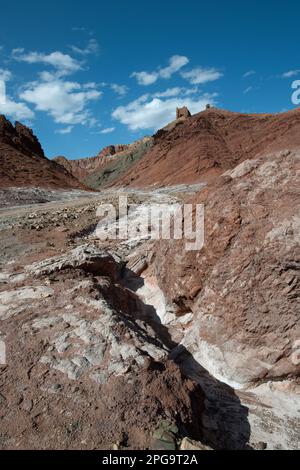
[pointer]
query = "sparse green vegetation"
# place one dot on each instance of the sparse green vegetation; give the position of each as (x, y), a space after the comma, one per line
(116, 167)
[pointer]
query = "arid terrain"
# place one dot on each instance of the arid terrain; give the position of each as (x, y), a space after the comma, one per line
(23, 162)
(139, 343)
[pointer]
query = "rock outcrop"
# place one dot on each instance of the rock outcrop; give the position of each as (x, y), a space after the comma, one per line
(243, 287)
(110, 163)
(20, 137)
(113, 149)
(88, 349)
(23, 163)
(127, 343)
(83, 167)
(87, 258)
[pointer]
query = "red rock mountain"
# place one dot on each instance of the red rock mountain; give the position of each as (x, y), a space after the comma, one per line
(111, 159)
(204, 145)
(23, 163)
(83, 167)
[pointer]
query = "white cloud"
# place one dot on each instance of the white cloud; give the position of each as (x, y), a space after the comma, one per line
(107, 130)
(63, 63)
(91, 48)
(200, 75)
(17, 50)
(174, 92)
(92, 121)
(89, 86)
(176, 62)
(5, 75)
(121, 90)
(151, 112)
(145, 78)
(249, 88)
(65, 130)
(65, 101)
(249, 73)
(48, 76)
(167, 93)
(17, 111)
(290, 73)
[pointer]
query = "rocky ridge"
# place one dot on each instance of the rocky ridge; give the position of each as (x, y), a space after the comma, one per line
(23, 162)
(109, 160)
(205, 145)
(20, 137)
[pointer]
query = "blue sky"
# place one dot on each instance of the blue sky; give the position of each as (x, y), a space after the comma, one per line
(85, 74)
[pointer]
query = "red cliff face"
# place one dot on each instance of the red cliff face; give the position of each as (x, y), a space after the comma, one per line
(82, 167)
(112, 150)
(23, 163)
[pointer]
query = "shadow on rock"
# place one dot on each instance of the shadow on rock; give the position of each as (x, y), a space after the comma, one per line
(225, 419)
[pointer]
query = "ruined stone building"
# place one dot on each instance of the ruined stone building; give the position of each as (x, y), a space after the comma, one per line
(182, 112)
